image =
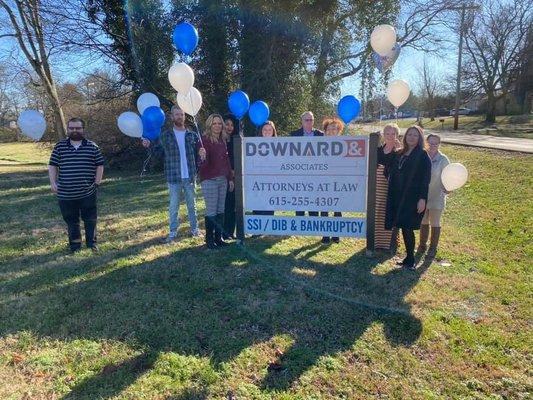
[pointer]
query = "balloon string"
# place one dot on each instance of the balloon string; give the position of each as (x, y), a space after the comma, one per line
(197, 130)
(145, 163)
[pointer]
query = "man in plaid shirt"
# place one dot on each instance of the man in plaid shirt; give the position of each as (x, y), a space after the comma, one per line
(179, 148)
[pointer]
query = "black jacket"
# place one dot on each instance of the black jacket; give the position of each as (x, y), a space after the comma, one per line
(300, 132)
(408, 178)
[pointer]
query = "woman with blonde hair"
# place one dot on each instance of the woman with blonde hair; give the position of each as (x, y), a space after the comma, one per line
(332, 127)
(215, 178)
(409, 173)
(385, 239)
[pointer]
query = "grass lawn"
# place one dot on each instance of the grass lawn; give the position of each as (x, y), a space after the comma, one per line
(507, 126)
(281, 318)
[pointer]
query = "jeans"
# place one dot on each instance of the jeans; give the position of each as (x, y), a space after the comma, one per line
(174, 190)
(71, 211)
(214, 191)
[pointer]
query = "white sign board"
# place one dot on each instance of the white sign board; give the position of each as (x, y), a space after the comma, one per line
(320, 173)
(305, 226)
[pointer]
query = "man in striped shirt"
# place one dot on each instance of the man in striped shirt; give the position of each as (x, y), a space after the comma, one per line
(75, 169)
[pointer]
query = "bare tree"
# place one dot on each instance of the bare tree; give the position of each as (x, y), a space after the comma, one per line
(417, 22)
(494, 48)
(25, 24)
(429, 88)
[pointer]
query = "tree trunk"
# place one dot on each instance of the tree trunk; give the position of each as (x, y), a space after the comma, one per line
(490, 117)
(318, 86)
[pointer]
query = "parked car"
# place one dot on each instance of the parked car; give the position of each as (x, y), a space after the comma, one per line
(442, 112)
(462, 111)
(406, 114)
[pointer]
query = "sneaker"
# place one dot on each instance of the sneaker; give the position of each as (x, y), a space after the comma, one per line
(169, 239)
(94, 248)
(325, 240)
(335, 240)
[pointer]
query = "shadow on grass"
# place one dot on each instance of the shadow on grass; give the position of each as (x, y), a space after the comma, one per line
(212, 304)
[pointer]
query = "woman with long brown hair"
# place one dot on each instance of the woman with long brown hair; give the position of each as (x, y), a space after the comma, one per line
(215, 178)
(409, 173)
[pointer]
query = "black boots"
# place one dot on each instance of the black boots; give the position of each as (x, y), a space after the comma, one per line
(210, 232)
(422, 245)
(219, 226)
(213, 231)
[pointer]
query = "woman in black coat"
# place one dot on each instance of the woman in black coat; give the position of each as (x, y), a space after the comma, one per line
(409, 172)
(232, 130)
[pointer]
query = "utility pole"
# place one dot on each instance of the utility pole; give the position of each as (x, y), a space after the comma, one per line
(463, 9)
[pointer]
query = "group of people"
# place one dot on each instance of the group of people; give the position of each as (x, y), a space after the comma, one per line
(410, 194)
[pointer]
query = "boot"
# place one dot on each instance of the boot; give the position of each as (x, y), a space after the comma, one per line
(209, 233)
(435, 235)
(219, 223)
(424, 234)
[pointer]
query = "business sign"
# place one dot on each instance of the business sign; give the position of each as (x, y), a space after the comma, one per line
(321, 173)
(305, 226)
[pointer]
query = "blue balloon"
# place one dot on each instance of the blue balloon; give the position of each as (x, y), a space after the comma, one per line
(151, 135)
(239, 103)
(153, 119)
(259, 112)
(348, 108)
(185, 37)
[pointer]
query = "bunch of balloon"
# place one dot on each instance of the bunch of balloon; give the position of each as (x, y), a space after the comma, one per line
(181, 75)
(147, 123)
(386, 52)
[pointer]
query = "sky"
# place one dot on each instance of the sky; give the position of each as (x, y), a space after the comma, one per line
(406, 67)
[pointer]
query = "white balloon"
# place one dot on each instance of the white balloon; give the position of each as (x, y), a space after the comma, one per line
(454, 176)
(32, 124)
(398, 92)
(181, 77)
(130, 124)
(383, 39)
(190, 102)
(146, 100)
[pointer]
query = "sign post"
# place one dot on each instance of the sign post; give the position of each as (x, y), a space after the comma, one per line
(239, 200)
(371, 193)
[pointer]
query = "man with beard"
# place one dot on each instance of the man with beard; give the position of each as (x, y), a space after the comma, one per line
(75, 170)
(179, 148)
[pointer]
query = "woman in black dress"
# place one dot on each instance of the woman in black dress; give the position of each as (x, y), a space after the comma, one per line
(409, 172)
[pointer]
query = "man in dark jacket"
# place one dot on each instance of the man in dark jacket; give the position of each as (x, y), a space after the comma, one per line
(178, 145)
(307, 129)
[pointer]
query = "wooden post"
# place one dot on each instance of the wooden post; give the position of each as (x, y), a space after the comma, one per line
(371, 193)
(239, 190)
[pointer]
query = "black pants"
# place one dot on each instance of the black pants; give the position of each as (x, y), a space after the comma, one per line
(229, 214)
(71, 211)
(409, 241)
